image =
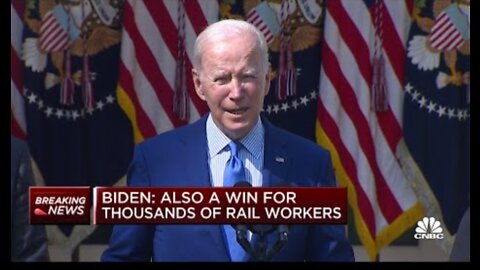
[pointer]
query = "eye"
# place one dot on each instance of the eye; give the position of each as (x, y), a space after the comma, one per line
(221, 79)
(249, 76)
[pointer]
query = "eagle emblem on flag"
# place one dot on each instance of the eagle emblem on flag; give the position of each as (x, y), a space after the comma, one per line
(293, 30)
(77, 133)
(447, 35)
(64, 31)
(436, 111)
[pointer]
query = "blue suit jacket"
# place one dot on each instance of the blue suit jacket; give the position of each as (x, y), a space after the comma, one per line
(180, 158)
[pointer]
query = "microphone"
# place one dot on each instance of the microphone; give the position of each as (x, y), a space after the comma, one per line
(260, 253)
(282, 231)
(241, 229)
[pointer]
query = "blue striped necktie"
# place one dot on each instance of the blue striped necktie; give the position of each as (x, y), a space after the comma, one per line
(234, 172)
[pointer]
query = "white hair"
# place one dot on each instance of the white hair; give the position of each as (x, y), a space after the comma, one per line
(225, 28)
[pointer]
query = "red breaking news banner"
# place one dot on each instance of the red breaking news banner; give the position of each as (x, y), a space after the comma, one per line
(278, 205)
(54, 205)
(237, 205)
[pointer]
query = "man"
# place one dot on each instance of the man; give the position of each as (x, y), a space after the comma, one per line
(28, 242)
(231, 74)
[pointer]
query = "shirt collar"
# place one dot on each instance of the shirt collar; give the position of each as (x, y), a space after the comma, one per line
(217, 140)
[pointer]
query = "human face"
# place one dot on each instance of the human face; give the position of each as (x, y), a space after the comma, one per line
(234, 82)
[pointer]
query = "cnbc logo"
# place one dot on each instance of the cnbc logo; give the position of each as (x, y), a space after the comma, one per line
(428, 228)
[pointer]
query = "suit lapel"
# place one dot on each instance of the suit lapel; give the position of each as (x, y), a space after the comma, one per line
(275, 163)
(195, 155)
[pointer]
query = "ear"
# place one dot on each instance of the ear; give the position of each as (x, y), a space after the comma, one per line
(268, 78)
(198, 84)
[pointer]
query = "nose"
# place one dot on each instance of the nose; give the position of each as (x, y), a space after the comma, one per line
(236, 91)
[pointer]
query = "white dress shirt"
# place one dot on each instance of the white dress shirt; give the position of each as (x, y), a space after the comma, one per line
(251, 153)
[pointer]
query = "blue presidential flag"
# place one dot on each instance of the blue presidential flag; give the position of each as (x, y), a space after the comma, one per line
(293, 32)
(78, 135)
(437, 106)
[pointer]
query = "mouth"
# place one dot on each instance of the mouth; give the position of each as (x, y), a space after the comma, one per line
(238, 111)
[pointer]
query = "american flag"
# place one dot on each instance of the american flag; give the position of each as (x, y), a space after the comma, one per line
(147, 67)
(265, 20)
(18, 127)
(449, 29)
(54, 35)
(365, 144)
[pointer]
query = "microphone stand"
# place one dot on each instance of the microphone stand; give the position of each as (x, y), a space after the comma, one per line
(281, 242)
(261, 245)
(261, 248)
(241, 229)
(260, 253)
(241, 232)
